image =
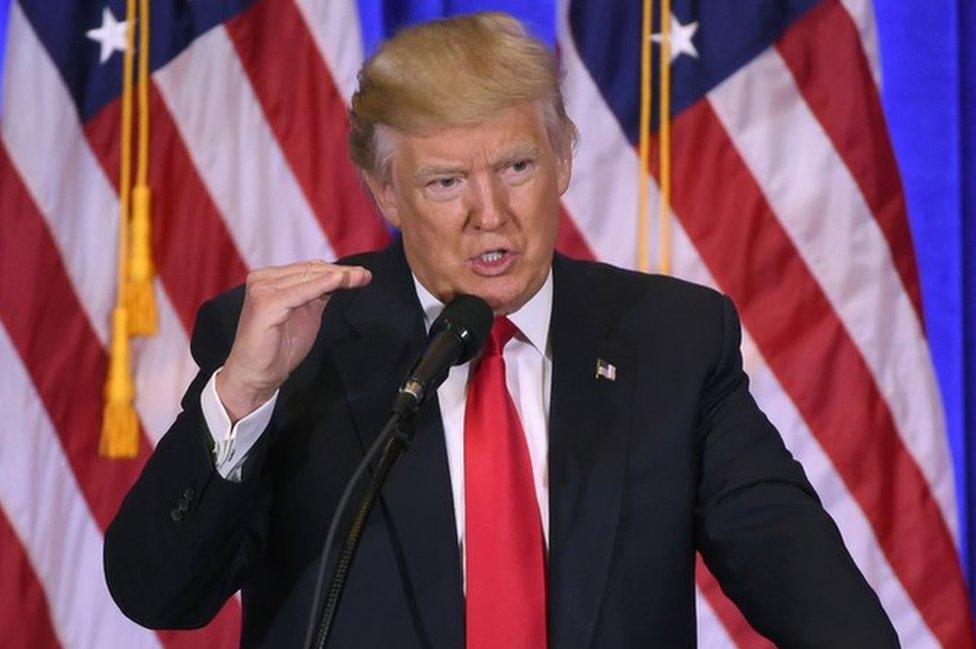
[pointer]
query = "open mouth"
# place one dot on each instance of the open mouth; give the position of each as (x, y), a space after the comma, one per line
(492, 262)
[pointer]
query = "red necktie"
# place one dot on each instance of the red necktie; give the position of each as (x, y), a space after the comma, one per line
(503, 543)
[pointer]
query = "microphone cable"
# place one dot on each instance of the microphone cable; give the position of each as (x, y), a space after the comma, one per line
(395, 439)
(455, 337)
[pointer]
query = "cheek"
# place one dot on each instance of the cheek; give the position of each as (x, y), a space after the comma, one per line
(538, 211)
(435, 226)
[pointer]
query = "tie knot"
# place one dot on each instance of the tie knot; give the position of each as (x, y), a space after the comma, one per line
(501, 332)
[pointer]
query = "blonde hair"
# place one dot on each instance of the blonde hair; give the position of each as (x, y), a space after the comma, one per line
(448, 73)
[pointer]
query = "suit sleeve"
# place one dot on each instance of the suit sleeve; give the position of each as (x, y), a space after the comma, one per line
(184, 538)
(761, 528)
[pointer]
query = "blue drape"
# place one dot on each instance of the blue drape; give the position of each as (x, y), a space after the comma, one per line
(928, 52)
(4, 13)
(381, 18)
(967, 58)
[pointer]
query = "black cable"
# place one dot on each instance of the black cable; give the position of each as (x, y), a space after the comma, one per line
(456, 336)
(393, 450)
(378, 444)
(396, 435)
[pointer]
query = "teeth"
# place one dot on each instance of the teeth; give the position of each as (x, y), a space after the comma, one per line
(491, 256)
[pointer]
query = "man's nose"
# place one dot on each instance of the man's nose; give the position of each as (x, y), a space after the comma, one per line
(488, 204)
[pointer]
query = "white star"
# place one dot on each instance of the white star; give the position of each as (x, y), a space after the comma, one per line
(681, 36)
(110, 36)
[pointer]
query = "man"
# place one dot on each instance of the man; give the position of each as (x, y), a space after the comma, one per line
(558, 488)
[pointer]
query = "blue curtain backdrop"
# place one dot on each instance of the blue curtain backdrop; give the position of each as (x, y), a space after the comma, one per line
(968, 316)
(929, 94)
(381, 18)
(4, 12)
(928, 53)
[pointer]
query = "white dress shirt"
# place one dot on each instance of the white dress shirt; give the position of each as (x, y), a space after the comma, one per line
(528, 372)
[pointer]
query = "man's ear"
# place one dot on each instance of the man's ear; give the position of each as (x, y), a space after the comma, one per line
(385, 196)
(564, 167)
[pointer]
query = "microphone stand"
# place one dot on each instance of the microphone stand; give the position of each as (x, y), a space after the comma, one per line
(396, 437)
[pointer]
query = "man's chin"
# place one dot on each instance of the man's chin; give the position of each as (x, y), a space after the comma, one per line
(502, 299)
(505, 294)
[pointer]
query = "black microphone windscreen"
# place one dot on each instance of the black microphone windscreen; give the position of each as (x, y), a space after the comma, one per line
(470, 318)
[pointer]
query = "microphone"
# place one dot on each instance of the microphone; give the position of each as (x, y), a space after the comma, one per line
(455, 337)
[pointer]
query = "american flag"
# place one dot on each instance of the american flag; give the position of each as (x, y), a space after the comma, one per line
(785, 196)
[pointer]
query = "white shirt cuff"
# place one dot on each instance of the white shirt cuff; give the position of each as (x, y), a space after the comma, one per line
(232, 443)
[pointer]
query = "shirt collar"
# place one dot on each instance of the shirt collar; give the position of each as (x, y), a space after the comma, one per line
(532, 319)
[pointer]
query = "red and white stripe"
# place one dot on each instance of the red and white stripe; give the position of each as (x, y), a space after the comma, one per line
(250, 168)
(237, 155)
(838, 238)
(45, 512)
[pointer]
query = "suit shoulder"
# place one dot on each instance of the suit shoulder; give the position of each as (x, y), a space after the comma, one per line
(660, 316)
(622, 288)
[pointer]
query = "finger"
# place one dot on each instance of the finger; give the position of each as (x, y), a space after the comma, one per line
(346, 276)
(297, 269)
(298, 273)
(356, 277)
(305, 291)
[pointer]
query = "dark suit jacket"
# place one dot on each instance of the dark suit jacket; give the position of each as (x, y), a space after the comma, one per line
(670, 457)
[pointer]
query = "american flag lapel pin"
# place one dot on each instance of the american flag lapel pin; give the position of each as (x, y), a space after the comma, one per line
(605, 370)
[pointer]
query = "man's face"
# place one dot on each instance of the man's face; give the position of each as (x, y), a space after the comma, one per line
(478, 206)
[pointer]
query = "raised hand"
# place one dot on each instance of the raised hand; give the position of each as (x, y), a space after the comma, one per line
(280, 319)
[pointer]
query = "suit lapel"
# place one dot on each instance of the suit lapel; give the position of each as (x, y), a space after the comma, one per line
(385, 336)
(589, 434)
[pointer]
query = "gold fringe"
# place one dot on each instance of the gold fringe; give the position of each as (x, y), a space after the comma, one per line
(120, 427)
(139, 298)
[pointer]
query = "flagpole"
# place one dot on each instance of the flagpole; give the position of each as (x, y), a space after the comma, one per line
(643, 175)
(664, 128)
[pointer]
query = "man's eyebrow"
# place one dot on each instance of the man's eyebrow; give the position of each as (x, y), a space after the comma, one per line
(516, 153)
(438, 170)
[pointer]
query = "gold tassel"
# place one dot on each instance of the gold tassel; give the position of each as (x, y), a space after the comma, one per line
(120, 427)
(139, 298)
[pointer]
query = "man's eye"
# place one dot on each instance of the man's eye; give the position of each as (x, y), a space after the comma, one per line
(444, 188)
(518, 172)
(445, 183)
